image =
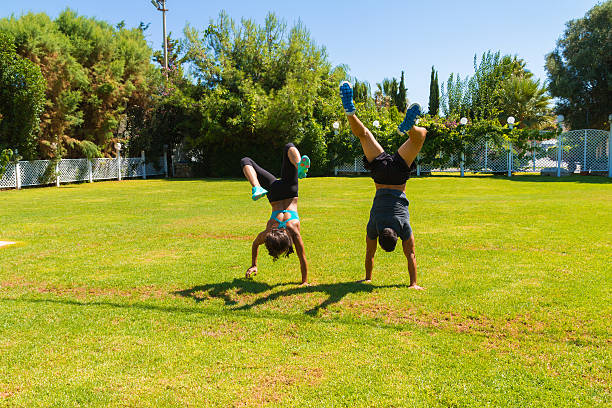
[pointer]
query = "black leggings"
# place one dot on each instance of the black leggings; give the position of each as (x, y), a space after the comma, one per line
(278, 189)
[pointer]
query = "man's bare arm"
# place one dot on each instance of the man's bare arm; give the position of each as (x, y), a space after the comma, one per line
(408, 247)
(369, 258)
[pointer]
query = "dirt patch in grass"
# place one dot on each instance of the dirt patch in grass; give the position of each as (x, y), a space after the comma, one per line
(209, 235)
(511, 327)
(159, 255)
(270, 387)
(229, 329)
(7, 391)
(142, 292)
(81, 292)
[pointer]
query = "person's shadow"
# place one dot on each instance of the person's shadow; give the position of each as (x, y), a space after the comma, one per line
(228, 291)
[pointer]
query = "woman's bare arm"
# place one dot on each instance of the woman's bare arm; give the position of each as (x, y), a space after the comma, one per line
(252, 271)
(299, 250)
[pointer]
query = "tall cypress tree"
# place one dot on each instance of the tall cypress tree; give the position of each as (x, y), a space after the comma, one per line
(434, 93)
(401, 95)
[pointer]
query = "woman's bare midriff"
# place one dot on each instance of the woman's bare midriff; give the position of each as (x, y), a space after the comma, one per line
(399, 187)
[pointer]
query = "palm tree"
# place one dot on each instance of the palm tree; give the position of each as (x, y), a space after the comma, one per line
(522, 97)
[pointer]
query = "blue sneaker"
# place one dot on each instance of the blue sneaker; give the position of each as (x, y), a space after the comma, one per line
(346, 93)
(412, 113)
(258, 192)
(303, 167)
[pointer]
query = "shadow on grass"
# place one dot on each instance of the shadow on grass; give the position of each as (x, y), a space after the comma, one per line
(534, 178)
(212, 312)
(576, 178)
(224, 290)
(565, 179)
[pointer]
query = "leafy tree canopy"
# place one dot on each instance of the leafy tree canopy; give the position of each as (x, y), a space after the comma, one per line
(93, 71)
(260, 87)
(22, 98)
(580, 69)
(500, 87)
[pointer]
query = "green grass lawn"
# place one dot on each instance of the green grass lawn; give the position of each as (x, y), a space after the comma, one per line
(132, 294)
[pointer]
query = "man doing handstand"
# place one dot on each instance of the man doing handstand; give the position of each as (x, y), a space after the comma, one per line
(389, 217)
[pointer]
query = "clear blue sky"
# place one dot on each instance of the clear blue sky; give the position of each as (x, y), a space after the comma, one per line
(376, 39)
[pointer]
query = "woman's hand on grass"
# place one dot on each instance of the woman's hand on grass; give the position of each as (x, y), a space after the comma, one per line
(252, 271)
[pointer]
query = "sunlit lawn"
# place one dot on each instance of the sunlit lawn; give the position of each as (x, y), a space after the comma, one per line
(131, 294)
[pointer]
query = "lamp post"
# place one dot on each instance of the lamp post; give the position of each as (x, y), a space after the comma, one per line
(511, 121)
(161, 6)
(463, 122)
(336, 126)
(560, 120)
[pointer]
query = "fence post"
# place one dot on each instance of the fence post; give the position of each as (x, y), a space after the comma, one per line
(173, 161)
(118, 163)
(335, 170)
(462, 163)
(90, 170)
(17, 175)
(559, 155)
(166, 160)
(610, 148)
(583, 167)
(355, 162)
(144, 165)
(57, 173)
(486, 166)
(418, 165)
(533, 157)
(510, 160)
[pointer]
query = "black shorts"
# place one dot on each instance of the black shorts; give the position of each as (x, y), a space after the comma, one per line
(387, 169)
(278, 189)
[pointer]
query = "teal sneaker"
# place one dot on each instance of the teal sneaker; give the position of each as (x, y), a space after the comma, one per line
(258, 192)
(303, 166)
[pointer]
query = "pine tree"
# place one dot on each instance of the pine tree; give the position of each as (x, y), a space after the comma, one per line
(434, 93)
(401, 95)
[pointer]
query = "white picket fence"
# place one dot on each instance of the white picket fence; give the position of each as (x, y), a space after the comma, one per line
(39, 172)
(586, 150)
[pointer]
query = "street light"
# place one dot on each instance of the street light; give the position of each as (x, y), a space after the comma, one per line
(161, 6)
(463, 122)
(511, 121)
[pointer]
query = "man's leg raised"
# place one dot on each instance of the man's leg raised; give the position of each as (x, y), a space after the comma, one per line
(371, 148)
